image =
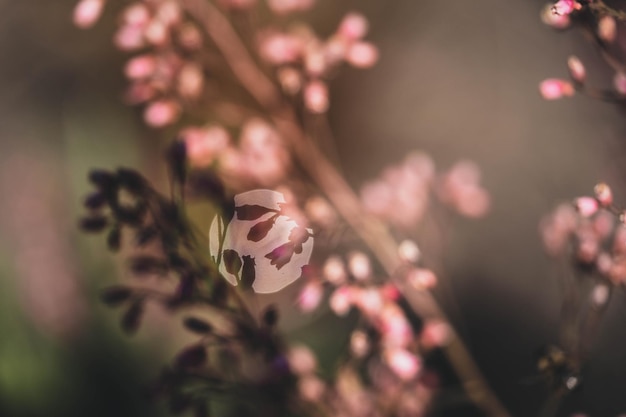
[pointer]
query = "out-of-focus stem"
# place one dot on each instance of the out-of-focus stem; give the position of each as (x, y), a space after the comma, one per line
(331, 182)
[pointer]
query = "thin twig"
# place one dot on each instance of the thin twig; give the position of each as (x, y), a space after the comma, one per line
(374, 233)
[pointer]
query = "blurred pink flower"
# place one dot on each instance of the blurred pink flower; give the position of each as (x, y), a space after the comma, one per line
(353, 27)
(362, 55)
(301, 360)
(87, 13)
(557, 21)
(161, 113)
(190, 80)
(576, 69)
(316, 96)
(554, 88)
(341, 300)
(204, 145)
(565, 7)
(140, 67)
(403, 363)
(607, 28)
(289, 6)
(310, 296)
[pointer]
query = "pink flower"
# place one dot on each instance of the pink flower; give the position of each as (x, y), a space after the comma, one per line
(161, 113)
(140, 67)
(341, 300)
(565, 7)
(619, 82)
(554, 88)
(604, 194)
(607, 28)
(87, 13)
(204, 145)
(576, 69)
(422, 278)
(279, 48)
(190, 81)
(316, 97)
(362, 55)
(301, 360)
(403, 363)
(129, 38)
(586, 206)
(310, 296)
(353, 27)
(409, 251)
(359, 266)
(136, 15)
(334, 270)
(435, 334)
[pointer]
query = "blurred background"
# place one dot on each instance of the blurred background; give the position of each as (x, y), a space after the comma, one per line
(457, 79)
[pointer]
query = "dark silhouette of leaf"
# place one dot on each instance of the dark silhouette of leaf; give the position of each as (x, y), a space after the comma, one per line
(95, 201)
(191, 357)
(198, 326)
(252, 211)
(102, 179)
(93, 224)
(132, 180)
(219, 296)
(147, 265)
(114, 296)
(270, 316)
(281, 255)
(248, 272)
(232, 261)
(186, 286)
(176, 156)
(145, 235)
(114, 239)
(132, 318)
(261, 229)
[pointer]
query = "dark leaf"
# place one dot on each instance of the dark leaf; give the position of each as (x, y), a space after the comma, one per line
(114, 239)
(206, 184)
(186, 286)
(270, 316)
(252, 211)
(248, 272)
(93, 224)
(261, 229)
(104, 180)
(95, 201)
(178, 262)
(232, 261)
(281, 255)
(132, 317)
(131, 215)
(198, 326)
(132, 180)
(147, 265)
(114, 296)
(177, 157)
(145, 235)
(191, 357)
(219, 296)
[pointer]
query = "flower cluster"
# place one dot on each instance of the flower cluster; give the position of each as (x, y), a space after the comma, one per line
(403, 193)
(600, 23)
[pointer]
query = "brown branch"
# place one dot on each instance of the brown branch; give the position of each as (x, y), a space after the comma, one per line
(331, 182)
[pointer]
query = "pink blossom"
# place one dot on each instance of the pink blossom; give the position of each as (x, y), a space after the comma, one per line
(311, 388)
(565, 7)
(334, 270)
(394, 327)
(408, 251)
(320, 211)
(161, 113)
(435, 333)
(403, 363)
(205, 144)
(289, 6)
(368, 300)
(359, 266)
(607, 28)
(290, 80)
(604, 194)
(156, 33)
(87, 13)
(140, 67)
(359, 343)
(279, 48)
(310, 296)
(316, 97)
(265, 159)
(554, 88)
(169, 13)
(301, 360)
(362, 54)
(190, 80)
(557, 21)
(189, 37)
(136, 14)
(557, 228)
(139, 92)
(586, 206)
(354, 26)
(129, 38)
(341, 300)
(422, 278)
(576, 69)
